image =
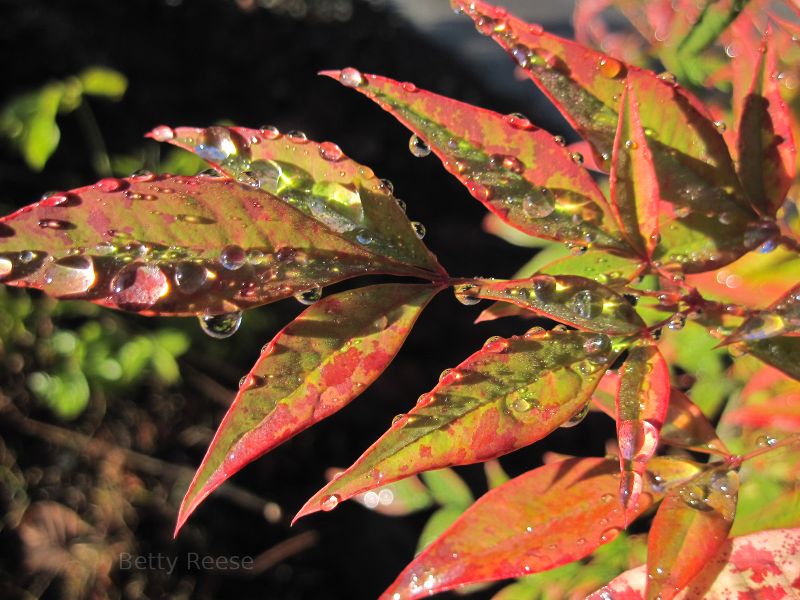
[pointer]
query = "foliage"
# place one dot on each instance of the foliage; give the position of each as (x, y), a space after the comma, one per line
(678, 229)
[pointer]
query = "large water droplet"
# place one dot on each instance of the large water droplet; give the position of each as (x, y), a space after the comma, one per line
(309, 297)
(221, 326)
(190, 277)
(232, 257)
(162, 133)
(466, 294)
(609, 67)
(330, 151)
(544, 287)
(518, 121)
(418, 147)
(495, 345)
(419, 229)
(541, 206)
(599, 344)
(70, 275)
(351, 77)
(109, 184)
(139, 286)
(329, 503)
(577, 418)
(587, 304)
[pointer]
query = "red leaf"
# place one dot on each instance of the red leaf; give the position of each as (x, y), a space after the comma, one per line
(316, 179)
(642, 399)
(782, 318)
(689, 529)
(507, 395)
(635, 194)
(576, 301)
(547, 517)
(312, 368)
(520, 173)
(167, 245)
(763, 565)
(766, 150)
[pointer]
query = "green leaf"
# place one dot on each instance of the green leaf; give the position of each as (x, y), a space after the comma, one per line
(576, 301)
(781, 352)
(399, 498)
(171, 245)
(520, 173)
(438, 522)
(312, 368)
(102, 81)
(447, 488)
(316, 179)
(29, 121)
(507, 395)
(715, 18)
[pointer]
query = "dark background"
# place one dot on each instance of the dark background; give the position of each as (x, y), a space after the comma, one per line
(197, 63)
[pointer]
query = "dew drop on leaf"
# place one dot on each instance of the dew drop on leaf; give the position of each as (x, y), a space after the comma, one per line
(109, 184)
(465, 294)
(190, 277)
(544, 287)
(26, 256)
(539, 207)
(364, 237)
(577, 417)
(419, 229)
(54, 224)
(162, 133)
(599, 344)
(329, 503)
(609, 67)
(143, 175)
(518, 121)
(232, 257)
(668, 77)
(270, 132)
(351, 77)
(221, 326)
(576, 157)
(677, 322)
(766, 441)
(330, 151)
(139, 286)
(495, 345)
(399, 421)
(309, 297)
(409, 87)
(70, 275)
(560, 140)
(586, 304)
(418, 147)
(297, 136)
(720, 126)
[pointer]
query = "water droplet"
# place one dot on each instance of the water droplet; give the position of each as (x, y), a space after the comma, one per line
(232, 257)
(221, 326)
(330, 151)
(364, 237)
(599, 344)
(677, 322)
(139, 286)
(521, 405)
(518, 121)
(270, 132)
(766, 441)
(610, 533)
(521, 54)
(466, 294)
(419, 229)
(190, 277)
(143, 175)
(576, 157)
(587, 304)
(297, 136)
(55, 224)
(248, 178)
(399, 421)
(351, 77)
(544, 286)
(409, 87)
(668, 77)
(309, 297)
(109, 184)
(495, 345)
(26, 256)
(541, 206)
(162, 133)
(485, 25)
(609, 67)
(513, 164)
(631, 145)
(387, 186)
(630, 488)
(577, 417)
(720, 126)
(329, 503)
(401, 204)
(560, 140)
(69, 275)
(418, 147)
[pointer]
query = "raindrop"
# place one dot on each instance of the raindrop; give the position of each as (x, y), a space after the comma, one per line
(495, 345)
(249, 179)
(760, 232)
(399, 421)
(720, 126)
(485, 25)
(544, 286)
(609, 67)
(329, 503)
(521, 55)
(162, 133)
(418, 147)
(766, 441)
(270, 132)
(309, 297)
(597, 345)
(221, 326)
(586, 304)
(521, 405)
(576, 157)
(387, 186)
(668, 77)
(631, 145)
(518, 121)
(299, 137)
(55, 224)
(26, 256)
(190, 277)
(401, 204)
(364, 237)
(577, 417)
(465, 294)
(351, 77)
(409, 87)
(109, 184)
(539, 207)
(677, 322)
(232, 257)
(513, 164)
(139, 286)
(69, 275)
(560, 140)
(419, 229)
(330, 151)
(143, 175)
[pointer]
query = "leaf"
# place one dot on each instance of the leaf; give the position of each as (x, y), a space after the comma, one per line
(781, 352)
(782, 318)
(101, 81)
(712, 222)
(760, 565)
(766, 150)
(29, 121)
(316, 179)
(507, 395)
(403, 497)
(635, 197)
(311, 369)
(171, 245)
(690, 527)
(685, 425)
(576, 301)
(520, 173)
(642, 399)
(714, 19)
(438, 522)
(544, 518)
(447, 488)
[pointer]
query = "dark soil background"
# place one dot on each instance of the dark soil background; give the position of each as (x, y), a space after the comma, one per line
(196, 63)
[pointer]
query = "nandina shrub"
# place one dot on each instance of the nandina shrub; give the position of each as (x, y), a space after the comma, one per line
(685, 225)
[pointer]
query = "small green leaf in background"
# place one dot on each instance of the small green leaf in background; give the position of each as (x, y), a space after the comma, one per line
(104, 82)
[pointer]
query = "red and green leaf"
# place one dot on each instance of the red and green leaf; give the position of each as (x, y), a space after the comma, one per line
(760, 565)
(576, 301)
(766, 150)
(171, 245)
(520, 173)
(317, 179)
(690, 527)
(635, 196)
(507, 395)
(782, 318)
(312, 368)
(547, 517)
(641, 406)
(696, 176)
